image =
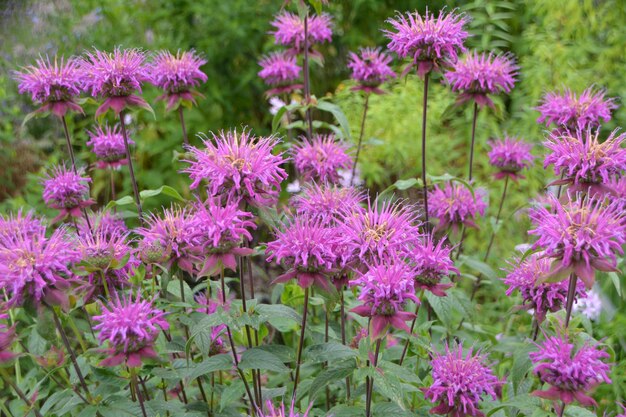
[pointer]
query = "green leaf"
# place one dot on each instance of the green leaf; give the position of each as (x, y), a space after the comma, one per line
(576, 411)
(339, 116)
(269, 312)
(616, 282)
(480, 267)
(256, 358)
(329, 376)
(328, 352)
(521, 365)
(525, 403)
(215, 363)
(442, 308)
(278, 117)
(232, 394)
(124, 201)
(343, 410)
(165, 189)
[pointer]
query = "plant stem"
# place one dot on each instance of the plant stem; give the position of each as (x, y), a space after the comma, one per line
(370, 388)
(535, 328)
(307, 81)
(325, 364)
(244, 306)
(358, 149)
(460, 250)
(71, 352)
(471, 161)
(571, 294)
(406, 344)
(182, 125)
(105, 285)
(343, 336)
(300, 344)
(130, 168)
(493, 236)
(425, 185)
(6, 378)
(135, 386)
(562, 410)
(113, 196)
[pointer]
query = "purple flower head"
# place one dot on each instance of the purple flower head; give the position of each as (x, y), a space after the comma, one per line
(290, 30)
(221, 229)
(108, 145)
(570, 371)
(7, 336)
(281, 411)
(574, 112)
(431, 42)
(538, 296)
(107, 223)
(460, 382)
(327, 202)
(384, 290)
(26, 224)
(321, 158)
(432, 263)
(66, 191)
(54, 85)
(238, 166)
(36, 268)
(177, 75)
(383, 231)
(130, 326)
(171, 236)
(115, 77)
(479, 75)
(370, 68)
(586, 163)
(455, 204)
(579, 236)
(280, 70)
(307, 248)
(510, 156)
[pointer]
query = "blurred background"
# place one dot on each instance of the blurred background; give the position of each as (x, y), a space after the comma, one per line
(567, 43)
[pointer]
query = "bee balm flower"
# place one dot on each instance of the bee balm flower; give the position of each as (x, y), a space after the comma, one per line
(370, 68)
(455, 204)
(510, 156)
(108, 145)
(66, 191)
(290, 31)
(571, 111)
(321, 158)
(280, 70)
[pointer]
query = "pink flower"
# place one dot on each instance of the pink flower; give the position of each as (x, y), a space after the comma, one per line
(479, 75)
(579, 236)
(510, 156)
(130, 327)
(570, 371)
(384, 291)
(431, 42)
(455, 204)
(108, 146)
(384, 231)
(370, 69)
(290, 30)
(53, 85)
(116, 77)
(66, 191)
(432, 263)
(177, 75)
(586, 163)
(538, 296)
(106, 222)
(280, 70)
(573, 111)
(308, 249)
(460, 382)
(321, 158)
(26, 224)
(280, 411)
(326, 202)
(220, 231)
(35, 268)
(238, 165)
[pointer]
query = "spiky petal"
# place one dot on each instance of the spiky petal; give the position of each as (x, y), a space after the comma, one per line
(326, 202)
(66, 191)
(281, 71)
(370, 68)
(510, 156)
(289, 30)
(454, 205)
(433, 263)
(108, 145)
(321, 158)
(572, 111)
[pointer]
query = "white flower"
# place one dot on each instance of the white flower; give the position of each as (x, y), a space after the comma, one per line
(591, 306)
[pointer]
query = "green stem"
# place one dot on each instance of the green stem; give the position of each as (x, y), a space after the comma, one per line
(182, 125)
(139, 395)
(471, 161)
(424, 183)
(358, 149)
(300, 344)
(133, 180)
(6, 378)
(370, 388)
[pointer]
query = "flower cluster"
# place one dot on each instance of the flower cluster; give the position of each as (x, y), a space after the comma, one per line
(280, 70)
(581, 236)
(571, 111)
(460, 382)
(540, 297)
(584, 161)
(432, 264)
(479, 75)
(321, 158)
(384, 290)
(54, 85)
(431, 42)
(290, 31)
(281, 411)
(570, 371)
(130, 326)
(326, 202)
(370, 68)
(177, 75)
(456, 204)
(108, 145)
(25, 224)
(66, 191)
(238, 166)
(510, 156)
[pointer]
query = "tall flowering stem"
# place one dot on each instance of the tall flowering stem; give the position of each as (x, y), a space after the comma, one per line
(68, 141)
(571, 294)
(301, 343)
(182, 125)
(137, 390)
(370, 386)
(425, 185)
(307, 79)
(358, 149)
(471, 160)
(130, 168)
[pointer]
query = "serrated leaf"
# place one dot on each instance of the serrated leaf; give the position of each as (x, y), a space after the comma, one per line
(222, 362)
(442, 306)
(256, 358)
(521, 365)
(327, 352)
(479, 266)
(329, 376)
(276, 121)
(231, 394)
(525, 403)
